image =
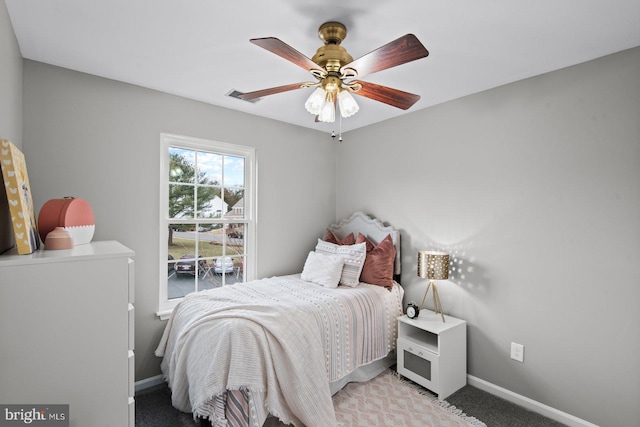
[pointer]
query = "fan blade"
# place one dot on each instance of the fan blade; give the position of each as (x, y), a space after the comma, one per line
(400, 51)
(272, 91)
(393, 97)
(282, 49)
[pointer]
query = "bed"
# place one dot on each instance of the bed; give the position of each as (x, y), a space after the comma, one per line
(282, 346)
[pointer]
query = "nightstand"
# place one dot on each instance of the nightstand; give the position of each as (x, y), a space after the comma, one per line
(433, 353)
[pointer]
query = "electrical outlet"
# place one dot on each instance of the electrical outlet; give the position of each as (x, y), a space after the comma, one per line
(517, 352)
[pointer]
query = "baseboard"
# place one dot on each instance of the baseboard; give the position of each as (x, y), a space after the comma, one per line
(530, 404)
(149, 382)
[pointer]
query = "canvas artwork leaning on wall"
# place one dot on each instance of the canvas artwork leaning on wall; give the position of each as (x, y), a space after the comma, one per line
(18, 191)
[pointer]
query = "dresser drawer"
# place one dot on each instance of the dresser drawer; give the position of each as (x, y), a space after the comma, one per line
(132, 372)
(132, 281)
(132, 318)
(132, 412)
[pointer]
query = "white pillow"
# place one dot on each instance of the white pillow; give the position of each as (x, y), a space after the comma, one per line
(353, 255)
(323, 269)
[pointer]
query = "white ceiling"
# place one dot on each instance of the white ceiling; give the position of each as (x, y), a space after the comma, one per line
(200, 49)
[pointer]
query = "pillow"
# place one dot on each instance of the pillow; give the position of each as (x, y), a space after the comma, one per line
(353, 256)
(330, 237)
(379, 265)
(322, 269)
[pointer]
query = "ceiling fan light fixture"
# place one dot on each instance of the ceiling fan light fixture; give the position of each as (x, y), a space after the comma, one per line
(347, 103)
(334, 68)
(315, 101)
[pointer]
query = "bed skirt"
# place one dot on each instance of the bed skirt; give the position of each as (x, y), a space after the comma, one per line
(364, 373)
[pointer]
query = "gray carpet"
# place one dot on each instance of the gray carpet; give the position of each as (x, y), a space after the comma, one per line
(153, 409)
(496, 412)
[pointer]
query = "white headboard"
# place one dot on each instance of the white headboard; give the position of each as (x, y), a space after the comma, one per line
(372, 228)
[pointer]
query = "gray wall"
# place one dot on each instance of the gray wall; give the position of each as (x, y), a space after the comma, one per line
(10, 109)
(534, 187)
(99, 139)
(10, 81)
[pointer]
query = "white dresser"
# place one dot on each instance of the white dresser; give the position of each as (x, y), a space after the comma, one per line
(66, 332)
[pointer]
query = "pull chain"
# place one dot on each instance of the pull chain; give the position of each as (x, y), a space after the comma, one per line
(333, 132)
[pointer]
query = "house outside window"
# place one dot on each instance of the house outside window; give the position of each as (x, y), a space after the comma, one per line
(207, 216)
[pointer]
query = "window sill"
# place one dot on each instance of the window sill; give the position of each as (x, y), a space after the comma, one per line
(164, 314)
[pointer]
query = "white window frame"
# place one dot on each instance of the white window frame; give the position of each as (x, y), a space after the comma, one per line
(165, 305)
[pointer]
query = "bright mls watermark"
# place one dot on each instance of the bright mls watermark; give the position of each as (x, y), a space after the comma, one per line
(34, 415)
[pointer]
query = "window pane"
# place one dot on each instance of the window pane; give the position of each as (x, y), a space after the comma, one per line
(181, 241)
(233, 171)
(209, 279)
(209, 203)
(239, 264)
(215, 240)
(235, 239)
(210, 245)
(179, 285)
(185, 267)
(235, 203)
(223, 270)
(181, 201)
(181, 165)
(209, 168)
(181, 259)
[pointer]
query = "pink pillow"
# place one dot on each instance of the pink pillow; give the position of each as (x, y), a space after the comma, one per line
(332, 238)
(379, 263)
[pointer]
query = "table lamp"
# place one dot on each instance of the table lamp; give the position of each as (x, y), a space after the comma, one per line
(433, 266)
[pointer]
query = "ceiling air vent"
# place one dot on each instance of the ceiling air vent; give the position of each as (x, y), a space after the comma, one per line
(236, 94)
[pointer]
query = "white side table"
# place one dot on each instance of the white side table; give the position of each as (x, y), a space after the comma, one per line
(433, 353)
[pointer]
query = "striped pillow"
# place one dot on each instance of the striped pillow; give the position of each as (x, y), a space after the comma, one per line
(353, 255)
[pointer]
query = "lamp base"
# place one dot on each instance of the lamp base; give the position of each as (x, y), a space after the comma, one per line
(437, 306)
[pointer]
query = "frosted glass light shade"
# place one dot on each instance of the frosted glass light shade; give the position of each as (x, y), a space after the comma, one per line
(328, 112)
(348, 105)
(316, 101)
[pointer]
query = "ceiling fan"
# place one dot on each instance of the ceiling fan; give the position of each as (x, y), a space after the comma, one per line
(336, 72)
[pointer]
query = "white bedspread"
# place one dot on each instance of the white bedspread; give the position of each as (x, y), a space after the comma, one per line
(282, 338)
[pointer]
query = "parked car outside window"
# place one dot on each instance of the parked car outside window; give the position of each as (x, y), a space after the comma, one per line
(223, 265)
(187, 267)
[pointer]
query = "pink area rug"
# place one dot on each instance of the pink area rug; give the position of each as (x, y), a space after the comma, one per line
(390, 401)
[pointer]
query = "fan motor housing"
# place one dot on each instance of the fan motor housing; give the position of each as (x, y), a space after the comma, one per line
(331, 57)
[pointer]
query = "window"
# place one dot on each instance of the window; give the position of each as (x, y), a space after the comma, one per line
(207, 216)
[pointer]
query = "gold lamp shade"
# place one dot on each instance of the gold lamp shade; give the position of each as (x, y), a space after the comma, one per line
(433, 265)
